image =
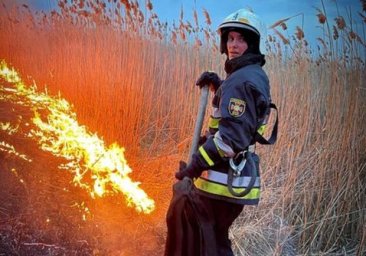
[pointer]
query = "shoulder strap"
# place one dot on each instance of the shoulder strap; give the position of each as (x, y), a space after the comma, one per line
(260, 139)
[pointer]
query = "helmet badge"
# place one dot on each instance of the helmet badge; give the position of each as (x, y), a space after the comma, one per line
(240, 19)
(244, 20)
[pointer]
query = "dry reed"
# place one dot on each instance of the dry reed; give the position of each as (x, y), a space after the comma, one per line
(131, 79)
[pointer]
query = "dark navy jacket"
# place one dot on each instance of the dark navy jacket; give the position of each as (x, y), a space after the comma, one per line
(249, 85)
(243, 102)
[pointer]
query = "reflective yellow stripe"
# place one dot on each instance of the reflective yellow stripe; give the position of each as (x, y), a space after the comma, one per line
(261, 129)
(206, 156)
(219, 189)
(213, 122)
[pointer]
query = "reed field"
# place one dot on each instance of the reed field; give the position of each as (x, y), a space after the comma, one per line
(130, 80)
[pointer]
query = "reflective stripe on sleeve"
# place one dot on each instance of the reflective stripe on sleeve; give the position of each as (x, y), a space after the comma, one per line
(216, 113)
(223, 148)
(213, 122)
(261, 129)
(205, 156)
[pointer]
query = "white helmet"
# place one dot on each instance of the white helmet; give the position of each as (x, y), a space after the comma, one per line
(245, 22)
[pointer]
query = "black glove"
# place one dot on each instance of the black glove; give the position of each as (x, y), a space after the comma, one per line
(193, 170)
(202, 140)
(208, 78)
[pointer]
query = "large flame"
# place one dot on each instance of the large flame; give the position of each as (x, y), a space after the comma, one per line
(98, 169)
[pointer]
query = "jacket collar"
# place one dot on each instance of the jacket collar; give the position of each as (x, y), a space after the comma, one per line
(242, 61)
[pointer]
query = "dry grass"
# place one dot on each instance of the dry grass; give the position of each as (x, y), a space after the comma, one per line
(131, 79)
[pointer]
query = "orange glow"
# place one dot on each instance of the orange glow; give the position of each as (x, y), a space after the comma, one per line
(98, 168)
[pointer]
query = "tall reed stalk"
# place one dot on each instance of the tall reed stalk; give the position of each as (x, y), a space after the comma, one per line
(137, 88)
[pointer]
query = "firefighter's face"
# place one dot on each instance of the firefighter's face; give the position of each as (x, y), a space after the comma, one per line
(236, 44)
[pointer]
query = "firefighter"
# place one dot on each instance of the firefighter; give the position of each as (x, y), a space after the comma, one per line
(225, 168)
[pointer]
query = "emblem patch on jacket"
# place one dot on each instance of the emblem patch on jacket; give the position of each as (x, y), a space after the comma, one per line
(236, 107)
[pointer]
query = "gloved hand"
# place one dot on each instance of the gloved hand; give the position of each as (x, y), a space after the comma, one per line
(208, 78)
(192, 170)
(202, 140)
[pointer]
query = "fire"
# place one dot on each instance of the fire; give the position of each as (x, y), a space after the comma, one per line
(98, 168)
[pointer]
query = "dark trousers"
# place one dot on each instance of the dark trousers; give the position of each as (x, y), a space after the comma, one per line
(221, 215)
(198, 225)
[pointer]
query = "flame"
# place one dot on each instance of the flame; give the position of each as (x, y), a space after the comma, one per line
(99, 169)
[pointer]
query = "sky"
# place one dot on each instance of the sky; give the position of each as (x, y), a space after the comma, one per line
(269, 11)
